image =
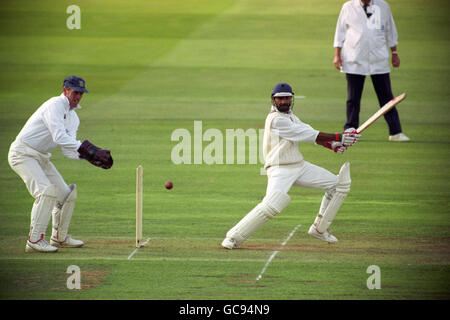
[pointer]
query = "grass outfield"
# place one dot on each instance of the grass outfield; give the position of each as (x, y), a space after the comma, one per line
(153, 67)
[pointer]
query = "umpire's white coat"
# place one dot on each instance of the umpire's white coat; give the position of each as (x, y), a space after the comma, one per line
(365, 41)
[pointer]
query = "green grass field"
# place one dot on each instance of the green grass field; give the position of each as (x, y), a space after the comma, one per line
(153, 67)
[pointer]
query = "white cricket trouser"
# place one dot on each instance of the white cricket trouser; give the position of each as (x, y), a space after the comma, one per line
(305, 175)
(36, 170)
(43, 182)
(280, 181)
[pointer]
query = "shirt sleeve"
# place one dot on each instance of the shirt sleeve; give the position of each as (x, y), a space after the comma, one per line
(53, 118)
(294, 131)
(68, 152)
(339, 35)
(391, 31)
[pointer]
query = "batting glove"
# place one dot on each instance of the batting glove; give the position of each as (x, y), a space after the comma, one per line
(349, 137)
(336, 146)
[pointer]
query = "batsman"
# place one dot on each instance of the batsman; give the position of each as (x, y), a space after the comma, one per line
(286, 167)
(55, 123)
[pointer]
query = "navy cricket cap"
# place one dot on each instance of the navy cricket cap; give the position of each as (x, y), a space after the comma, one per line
(75, 83)
(282, 90)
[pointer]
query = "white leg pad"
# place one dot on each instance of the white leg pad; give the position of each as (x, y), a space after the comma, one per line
(329, 208)
(62, 214)
(41, 213)
(271, 205)
(326, 200)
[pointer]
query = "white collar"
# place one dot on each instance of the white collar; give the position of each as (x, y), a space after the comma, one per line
(362, 3)
(67, 104)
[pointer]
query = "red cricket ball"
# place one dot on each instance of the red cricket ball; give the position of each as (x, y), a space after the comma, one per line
(168, 185)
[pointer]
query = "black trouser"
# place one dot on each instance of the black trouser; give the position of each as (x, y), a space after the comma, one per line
(382, 86)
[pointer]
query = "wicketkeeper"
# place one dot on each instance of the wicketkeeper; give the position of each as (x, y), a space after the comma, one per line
(55, 123)
(286, 167)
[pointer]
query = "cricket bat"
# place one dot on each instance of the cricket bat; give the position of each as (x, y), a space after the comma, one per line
(388, 106)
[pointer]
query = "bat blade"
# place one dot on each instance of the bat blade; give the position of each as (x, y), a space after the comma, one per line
(383, 110)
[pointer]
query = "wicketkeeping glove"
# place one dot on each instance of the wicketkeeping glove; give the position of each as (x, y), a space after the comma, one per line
(349, 137)
(95, 155)
(336, 146)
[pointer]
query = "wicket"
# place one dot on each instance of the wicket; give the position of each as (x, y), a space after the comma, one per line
(139, 203)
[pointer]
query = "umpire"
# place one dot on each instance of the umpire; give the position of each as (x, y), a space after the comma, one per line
(54, 123)
(364, 31)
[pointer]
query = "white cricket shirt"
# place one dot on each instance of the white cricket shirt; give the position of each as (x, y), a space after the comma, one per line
(291, 128)
(53, 124)
(365, 41)
(282, 133)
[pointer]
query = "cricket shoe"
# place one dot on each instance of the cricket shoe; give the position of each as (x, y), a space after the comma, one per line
(399, 137)
(325, 236)
(228, 243)
(69, 242)
(40, 246)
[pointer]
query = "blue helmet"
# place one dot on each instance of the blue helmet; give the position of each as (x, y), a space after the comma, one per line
(76, 83)
(282, 90)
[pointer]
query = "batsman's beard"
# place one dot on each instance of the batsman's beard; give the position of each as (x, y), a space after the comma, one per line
(283, 107)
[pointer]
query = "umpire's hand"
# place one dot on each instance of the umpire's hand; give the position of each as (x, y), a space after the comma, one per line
(395, 60)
